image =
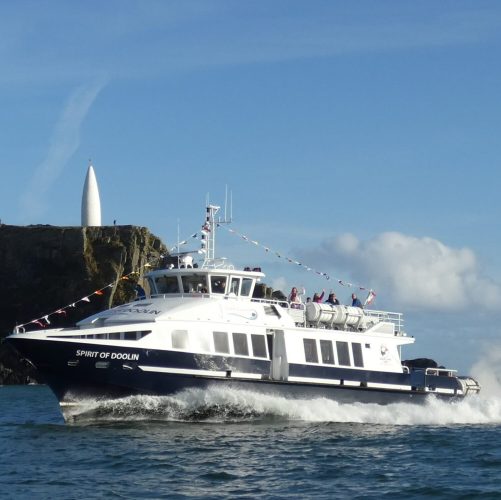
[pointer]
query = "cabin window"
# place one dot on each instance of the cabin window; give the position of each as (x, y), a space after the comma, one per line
(246, 287)
(240, 344)
(356, 349)
(194, 283)
(113, 336)
(167, 284)
(310, 350)
(234, 285)
(258, 346)
(130, 335)
(327, 352)
(218, 284)
(179, 339)
(343, 353)
(221, 344)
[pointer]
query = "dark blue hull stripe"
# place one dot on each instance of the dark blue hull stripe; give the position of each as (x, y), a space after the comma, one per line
(75, 370)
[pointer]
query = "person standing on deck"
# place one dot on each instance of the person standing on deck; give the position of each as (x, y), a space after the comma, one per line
(355, 301)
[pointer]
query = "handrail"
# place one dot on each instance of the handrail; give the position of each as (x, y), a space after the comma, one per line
(440, 372)
(283, 303)
(387, 316)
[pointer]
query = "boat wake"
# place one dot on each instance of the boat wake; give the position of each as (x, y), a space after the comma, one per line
(228, 405)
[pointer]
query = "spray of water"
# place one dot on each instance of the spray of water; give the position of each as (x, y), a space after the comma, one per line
(222, 405)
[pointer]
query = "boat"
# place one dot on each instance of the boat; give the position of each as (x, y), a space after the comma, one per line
(203, 324)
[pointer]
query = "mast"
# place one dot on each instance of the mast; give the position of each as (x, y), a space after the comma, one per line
(208, 239)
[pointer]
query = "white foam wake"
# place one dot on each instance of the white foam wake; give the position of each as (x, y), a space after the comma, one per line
(222, 404)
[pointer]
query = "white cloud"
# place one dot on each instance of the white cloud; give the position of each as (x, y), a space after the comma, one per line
(417, 273)
(63, 144)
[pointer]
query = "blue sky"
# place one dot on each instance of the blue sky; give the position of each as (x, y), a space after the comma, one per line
(361, 138)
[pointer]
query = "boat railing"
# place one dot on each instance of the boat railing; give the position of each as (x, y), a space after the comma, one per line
(190, 295)
(389, 317)
(283, 303)
(440, 372)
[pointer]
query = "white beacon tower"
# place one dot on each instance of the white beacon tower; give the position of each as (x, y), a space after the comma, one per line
(91, 204)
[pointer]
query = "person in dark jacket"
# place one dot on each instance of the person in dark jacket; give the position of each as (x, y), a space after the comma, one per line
(355, 301)
(332, 299)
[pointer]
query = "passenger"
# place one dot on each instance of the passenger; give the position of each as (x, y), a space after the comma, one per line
(295, 297)
(219, 286)
(318, 298)
(355, 301)
(308, 300)
(332, 300)
(140, 293)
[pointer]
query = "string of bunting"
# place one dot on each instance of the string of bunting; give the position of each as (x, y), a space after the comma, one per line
(280, 255)
(44, 321)
(184, 242)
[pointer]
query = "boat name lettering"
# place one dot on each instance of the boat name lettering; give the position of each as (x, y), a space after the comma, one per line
(138, 310)
(107, 355)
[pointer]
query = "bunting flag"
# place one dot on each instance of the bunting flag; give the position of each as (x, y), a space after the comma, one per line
(297, 263)
(370, 298)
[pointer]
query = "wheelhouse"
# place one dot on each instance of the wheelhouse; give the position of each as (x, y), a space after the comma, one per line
(212, 282)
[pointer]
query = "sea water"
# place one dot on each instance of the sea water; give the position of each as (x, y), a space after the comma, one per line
(234, 444)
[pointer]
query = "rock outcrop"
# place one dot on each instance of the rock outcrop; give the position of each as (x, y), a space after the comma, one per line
(45, 268)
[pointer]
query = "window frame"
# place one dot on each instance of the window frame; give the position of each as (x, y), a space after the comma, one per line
(237, 345)
(310, 350)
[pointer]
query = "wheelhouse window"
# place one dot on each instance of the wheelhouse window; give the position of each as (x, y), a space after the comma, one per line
(167, 284)
(356, 349)
(179, 339)
(240, 344)
(194, 283)
(234, 285)
(246, 287)
(258, 346)
(343, 353)
(310, 350)
(221, 344)
(218, 284)
(327, 352)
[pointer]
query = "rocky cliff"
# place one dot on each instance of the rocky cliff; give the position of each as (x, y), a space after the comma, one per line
(44, 268)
